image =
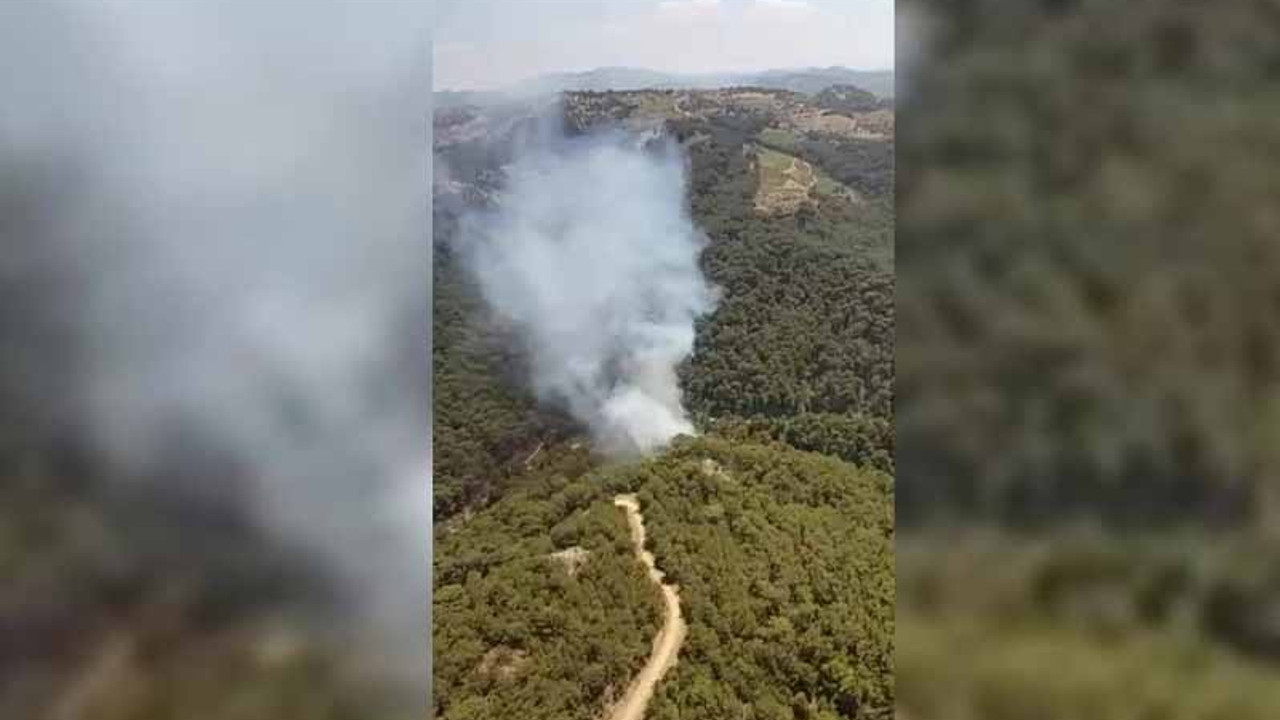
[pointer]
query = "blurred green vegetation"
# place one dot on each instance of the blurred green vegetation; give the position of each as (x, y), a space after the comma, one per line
(1088, 337)
(1082, 622)
(1088, 264)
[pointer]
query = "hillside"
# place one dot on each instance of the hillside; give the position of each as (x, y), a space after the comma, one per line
(542, 611)
(791, 382)
(812, 278)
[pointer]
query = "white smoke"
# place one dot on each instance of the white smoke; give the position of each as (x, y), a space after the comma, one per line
(592, 255)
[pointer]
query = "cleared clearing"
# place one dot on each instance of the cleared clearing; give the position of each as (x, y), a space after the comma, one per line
(785, 183)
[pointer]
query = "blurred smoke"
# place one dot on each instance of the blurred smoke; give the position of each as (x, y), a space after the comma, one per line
(912, 28)
(241, 235)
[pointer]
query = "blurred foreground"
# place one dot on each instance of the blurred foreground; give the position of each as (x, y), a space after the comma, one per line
(212, 364)
(1089, 361)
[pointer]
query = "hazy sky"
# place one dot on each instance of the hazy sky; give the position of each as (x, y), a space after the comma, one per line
(491, 43)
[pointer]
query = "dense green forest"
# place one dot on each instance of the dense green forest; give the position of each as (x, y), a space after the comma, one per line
(859, 440)
(783, 557)
(521, 632)
(785, 564)
(1087, 362)
(521, 629)
(805, 325)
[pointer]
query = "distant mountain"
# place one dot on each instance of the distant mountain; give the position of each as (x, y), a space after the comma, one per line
(606, 78)
(803, 80)
(814, 80)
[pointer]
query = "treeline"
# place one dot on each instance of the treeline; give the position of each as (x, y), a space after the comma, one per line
(850, 99)
(863, 164)
(865, 442)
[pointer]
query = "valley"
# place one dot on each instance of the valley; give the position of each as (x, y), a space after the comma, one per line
(770, 533)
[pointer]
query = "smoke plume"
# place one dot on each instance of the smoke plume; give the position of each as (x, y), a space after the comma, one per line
(591, 253)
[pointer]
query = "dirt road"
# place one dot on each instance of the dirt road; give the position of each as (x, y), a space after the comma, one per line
(666, 644)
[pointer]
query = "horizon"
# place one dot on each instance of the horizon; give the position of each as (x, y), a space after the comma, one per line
(636, 68)
(486, 45)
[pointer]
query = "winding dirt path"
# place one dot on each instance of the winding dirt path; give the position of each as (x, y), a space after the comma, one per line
(666, 644)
